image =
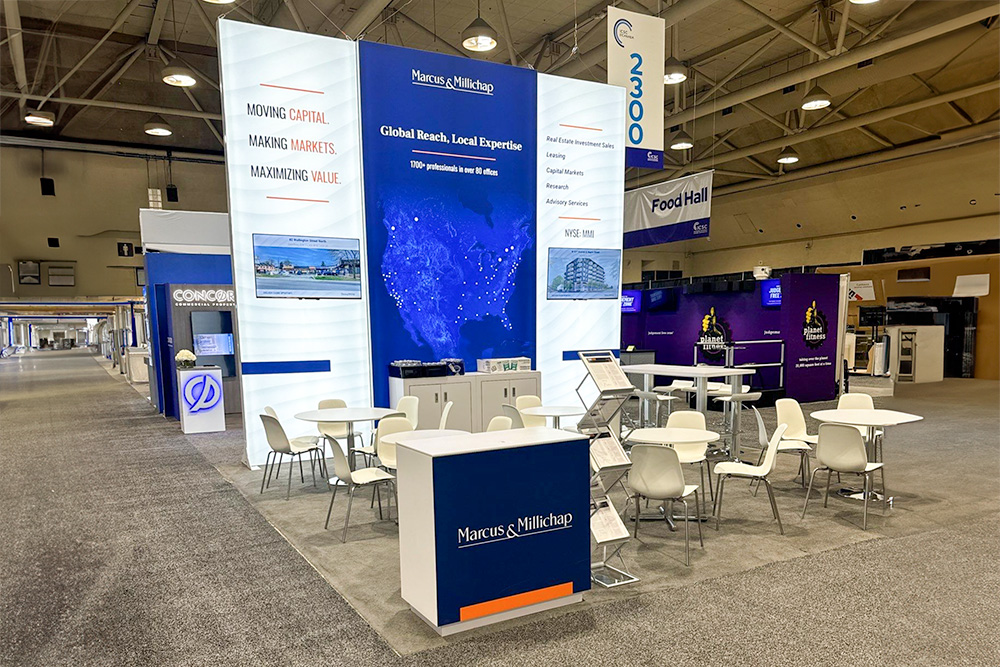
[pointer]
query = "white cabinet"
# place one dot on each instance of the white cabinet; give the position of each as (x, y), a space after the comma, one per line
(476, 397)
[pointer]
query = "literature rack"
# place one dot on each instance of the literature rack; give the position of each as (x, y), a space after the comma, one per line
(608, 463)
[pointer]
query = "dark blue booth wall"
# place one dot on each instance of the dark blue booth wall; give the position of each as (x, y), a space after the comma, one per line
(809, 373)
(162, 269)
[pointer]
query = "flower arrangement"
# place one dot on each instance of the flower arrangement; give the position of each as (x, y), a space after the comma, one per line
(185, 359)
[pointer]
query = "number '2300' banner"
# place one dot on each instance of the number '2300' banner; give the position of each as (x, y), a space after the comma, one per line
(635, 62)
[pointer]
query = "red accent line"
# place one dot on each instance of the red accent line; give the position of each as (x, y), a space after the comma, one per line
(315, 201)
(566, 217)
(471, 157)
(298, 90)
(581, 127)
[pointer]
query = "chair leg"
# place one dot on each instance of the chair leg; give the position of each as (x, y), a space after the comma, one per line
(312, 464)
(378, 493)
(326, 525)
(718, 500)
(687, 531)
(288, 490)
(866, 485)
(805, 467)
(277, 473)
(302, 476)
(808, 491)
(701, 472)
(347, 520)
(267, 463)
(395, 497)
(697, 513)
(635, 530)
(885, 493)
(711, 494)
(829, 474)
(774, 505)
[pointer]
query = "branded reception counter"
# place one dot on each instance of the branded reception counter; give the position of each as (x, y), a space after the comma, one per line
(514, 504)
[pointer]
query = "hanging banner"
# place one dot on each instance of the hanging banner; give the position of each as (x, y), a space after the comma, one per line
(673, 211)
(861, 290)
(635, 62)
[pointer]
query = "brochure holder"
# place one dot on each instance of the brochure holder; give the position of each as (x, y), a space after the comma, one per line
(608, 463)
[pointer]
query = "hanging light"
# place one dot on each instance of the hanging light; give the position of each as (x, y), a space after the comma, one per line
(788, 155)
(39, 118)
(863, 2)
(681, 141)
(816, 98)
(157, 127)
(479, 36)
(674, 72)
(178, 74)
(220, 2)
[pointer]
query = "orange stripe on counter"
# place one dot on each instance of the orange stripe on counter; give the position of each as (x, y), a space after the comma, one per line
(515, 601)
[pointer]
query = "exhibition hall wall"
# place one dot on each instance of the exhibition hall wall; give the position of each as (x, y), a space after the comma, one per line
(482, 218)
(95, 206)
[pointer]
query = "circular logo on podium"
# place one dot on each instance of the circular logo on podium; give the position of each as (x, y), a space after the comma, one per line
(201, 392)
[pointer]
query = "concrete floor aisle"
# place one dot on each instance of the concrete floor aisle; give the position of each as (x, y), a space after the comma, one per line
(122, 544)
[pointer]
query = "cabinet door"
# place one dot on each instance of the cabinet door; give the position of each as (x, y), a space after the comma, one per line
(494, 393)
(429, 410)
(459, 393)
(523, 387)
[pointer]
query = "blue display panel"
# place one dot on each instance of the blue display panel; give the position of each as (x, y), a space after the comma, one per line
(631, 301)
(449, 171)
(770, 293)
(530, 530)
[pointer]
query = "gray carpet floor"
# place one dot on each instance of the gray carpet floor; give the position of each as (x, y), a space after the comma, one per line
(122, 544)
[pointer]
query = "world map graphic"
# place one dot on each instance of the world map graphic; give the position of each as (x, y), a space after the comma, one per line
(450, 265)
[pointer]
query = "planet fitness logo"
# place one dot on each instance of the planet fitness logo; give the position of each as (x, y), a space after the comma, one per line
(814, 328)
(715, 336)
(202, 392)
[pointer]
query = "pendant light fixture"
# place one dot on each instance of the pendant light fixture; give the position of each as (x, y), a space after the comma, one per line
(220, 2)
(157, 127)
(681, 141)
(39, 118)
(816, 98)
(788, 155)
(178, 74)
(479, 36)
(863, 2)
(674, 72)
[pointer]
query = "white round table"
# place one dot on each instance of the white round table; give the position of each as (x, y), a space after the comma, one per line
(346, 416)
(555, 411)
(671, 436)
(869, 419)
(404, 437)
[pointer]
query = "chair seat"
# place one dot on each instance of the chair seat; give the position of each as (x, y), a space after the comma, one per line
(737, 469)
(793, 446)
(366, 449)
(804, 437)
(368, 476)
(303, 443)
(872, 466)
(688, 490)
(667, 397)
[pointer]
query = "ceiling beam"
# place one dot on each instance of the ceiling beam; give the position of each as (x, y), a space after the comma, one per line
(114, 72)
(206, 21)
(787, 32)
(363, 17)
(505, 27)
(829, 129)
(120, 106)
(823, 67)
(156, 25)
(119, 20)
(194, 101)
(426, 32)
(16, 45)
(293, 10)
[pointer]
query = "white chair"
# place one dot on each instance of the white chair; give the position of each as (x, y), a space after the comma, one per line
(684, 386)
(859, 401)
(409, 406)
(281, 446)
(789, 413)
(333, 430)
(727, 469)
(529, 401)
(354, 479)
(443, 424)
(692, 453)
(515, 416)
(657, 399)
(300, 442)
(499, 423)
(656, 474)
(385, 451)
(841, 449)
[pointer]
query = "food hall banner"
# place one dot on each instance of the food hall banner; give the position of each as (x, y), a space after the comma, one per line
(450, 205)
(673, 211)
